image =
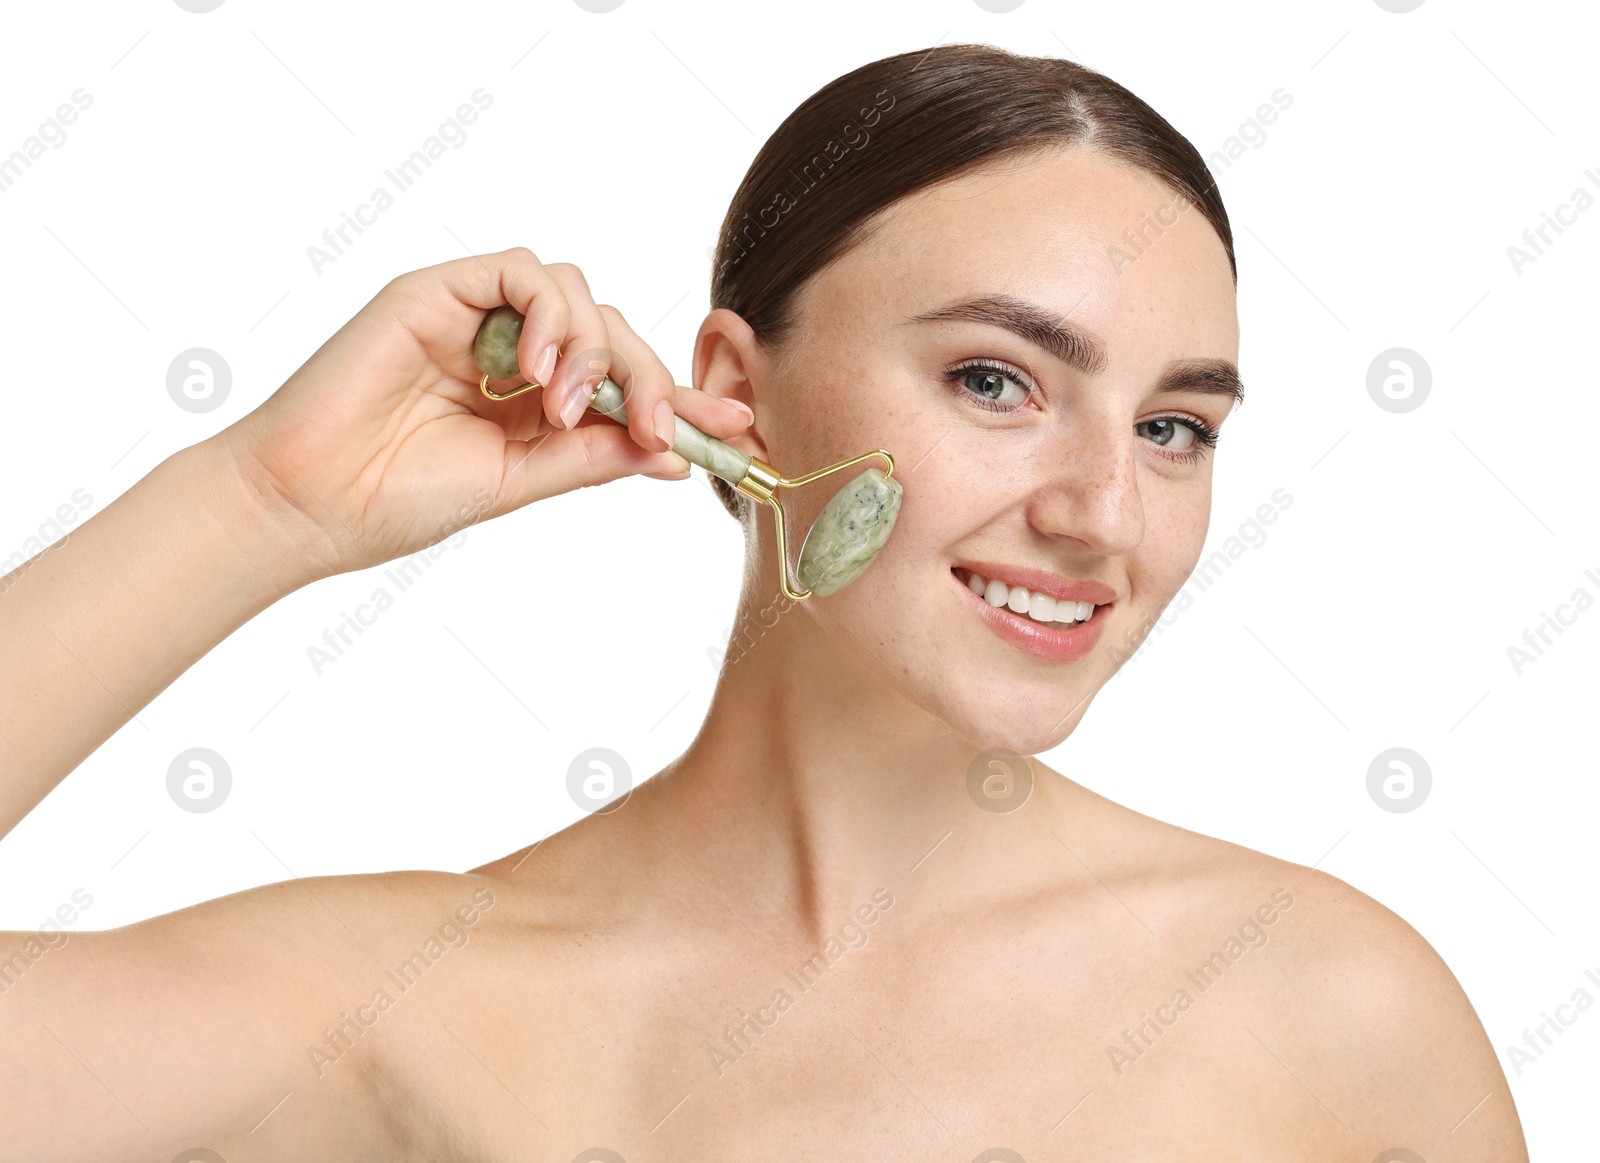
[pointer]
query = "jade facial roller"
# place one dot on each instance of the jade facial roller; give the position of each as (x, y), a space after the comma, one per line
(841, 542)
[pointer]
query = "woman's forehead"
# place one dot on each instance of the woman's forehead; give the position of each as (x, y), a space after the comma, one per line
(1108, 245)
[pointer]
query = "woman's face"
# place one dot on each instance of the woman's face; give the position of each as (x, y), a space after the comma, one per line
(1055, 450)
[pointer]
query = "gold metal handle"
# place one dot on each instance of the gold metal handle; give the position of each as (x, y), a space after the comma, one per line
(761, 481)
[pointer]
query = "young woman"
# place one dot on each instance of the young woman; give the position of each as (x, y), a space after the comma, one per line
(854, 918)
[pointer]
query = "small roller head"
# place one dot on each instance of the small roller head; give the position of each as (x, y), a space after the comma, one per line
(495, 349)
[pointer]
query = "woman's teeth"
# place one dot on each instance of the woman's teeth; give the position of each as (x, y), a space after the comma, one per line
(1039, 607)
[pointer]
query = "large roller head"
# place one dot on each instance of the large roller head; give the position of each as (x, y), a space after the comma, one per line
(849, 531)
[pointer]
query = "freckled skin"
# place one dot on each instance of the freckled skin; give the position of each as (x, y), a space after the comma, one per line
(1066, 484)
(977, 978)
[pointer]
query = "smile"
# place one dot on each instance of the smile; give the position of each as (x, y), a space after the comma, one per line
(1041, 625)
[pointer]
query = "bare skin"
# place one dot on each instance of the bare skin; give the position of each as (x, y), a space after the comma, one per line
(804, 937)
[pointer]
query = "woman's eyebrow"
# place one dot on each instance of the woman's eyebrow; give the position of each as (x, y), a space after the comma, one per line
(1079, 349)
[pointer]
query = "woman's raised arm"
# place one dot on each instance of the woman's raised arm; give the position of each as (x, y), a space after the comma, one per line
(373, 449)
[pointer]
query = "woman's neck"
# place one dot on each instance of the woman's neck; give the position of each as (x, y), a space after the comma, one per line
(817, 778)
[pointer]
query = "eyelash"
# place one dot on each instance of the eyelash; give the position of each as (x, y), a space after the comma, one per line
(1205, 435)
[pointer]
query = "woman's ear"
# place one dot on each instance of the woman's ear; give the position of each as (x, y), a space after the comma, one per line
(729, 362)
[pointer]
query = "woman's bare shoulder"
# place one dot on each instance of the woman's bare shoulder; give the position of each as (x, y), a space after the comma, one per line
(1367, 1022)
(1358, 995)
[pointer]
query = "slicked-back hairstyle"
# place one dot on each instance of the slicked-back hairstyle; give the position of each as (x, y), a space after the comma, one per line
(900, 124)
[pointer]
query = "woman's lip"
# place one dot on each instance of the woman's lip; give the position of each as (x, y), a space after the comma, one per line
(1054, 642)
(1042, 582)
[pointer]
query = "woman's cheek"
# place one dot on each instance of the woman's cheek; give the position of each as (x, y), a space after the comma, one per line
(1171, 547)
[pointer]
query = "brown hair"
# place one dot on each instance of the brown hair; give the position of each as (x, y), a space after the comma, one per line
(905, 122)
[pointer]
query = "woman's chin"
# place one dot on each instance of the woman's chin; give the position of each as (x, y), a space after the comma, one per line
(1027, 727)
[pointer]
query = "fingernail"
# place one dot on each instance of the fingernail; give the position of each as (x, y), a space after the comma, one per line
(576, 404)
(665, 423)
(750, 417)
(672, 476)
(546, 365)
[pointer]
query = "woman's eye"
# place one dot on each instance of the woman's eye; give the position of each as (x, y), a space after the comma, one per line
(991, 386)
(1182, 438)
(1171, 434)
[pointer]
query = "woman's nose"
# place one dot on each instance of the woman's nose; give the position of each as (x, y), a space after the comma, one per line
(1089, 488)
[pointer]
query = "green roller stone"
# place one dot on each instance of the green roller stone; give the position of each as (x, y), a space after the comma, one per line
(849, 531)
(495, 349)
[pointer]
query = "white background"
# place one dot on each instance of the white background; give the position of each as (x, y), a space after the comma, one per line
(1375, 213)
